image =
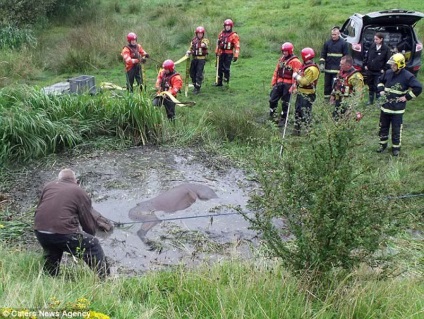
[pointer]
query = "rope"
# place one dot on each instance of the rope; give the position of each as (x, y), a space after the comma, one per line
(119, 224)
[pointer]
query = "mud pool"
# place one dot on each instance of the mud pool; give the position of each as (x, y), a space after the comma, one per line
(117, 181)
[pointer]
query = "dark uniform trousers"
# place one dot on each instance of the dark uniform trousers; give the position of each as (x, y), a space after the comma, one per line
(396, 120)
(328, 83)
(280, 91)
(134, 74)
(81, 245)
(196, 72)
(303, 110)
(167, 103)
(224, 67)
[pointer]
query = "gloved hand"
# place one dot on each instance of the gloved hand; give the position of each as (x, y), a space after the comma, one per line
(295, 74)
(147, 55)
(321, 67)
(235, 60)
(188, 52)
(135, 61)
(203, 45)
(293, 89)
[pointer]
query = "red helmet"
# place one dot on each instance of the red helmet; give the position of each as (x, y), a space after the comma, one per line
(169, 65)
(307, 54)
(131, 36)
(287, 46)
(200, 30)
(229, 22)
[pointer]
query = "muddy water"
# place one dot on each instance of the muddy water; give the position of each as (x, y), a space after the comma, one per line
(117, 181)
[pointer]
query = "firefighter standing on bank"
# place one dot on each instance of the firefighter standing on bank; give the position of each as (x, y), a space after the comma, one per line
(306, 81)
(347, 88)
(395, 87)
(282, 81)
(199, 51)
(170, 81)
(227, 50)
(133, 55)
(329, 63)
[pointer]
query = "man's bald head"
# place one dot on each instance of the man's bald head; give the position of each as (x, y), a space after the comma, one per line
(67, 174)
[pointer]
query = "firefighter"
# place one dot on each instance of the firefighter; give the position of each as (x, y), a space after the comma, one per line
(396, 87)
(329, 63)
(306, 81)
(133, 55)
(282, 82)
(227, 50)
(347, 87)
(168, 80)
(376, 64)
(199, 51)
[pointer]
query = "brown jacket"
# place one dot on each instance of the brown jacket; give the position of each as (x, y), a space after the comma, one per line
(64, 207)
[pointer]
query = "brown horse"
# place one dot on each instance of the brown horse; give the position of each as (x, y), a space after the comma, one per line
(177, 198)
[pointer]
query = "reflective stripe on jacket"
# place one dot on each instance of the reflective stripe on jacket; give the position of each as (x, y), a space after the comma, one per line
(395, 85)
(229, 43)
(308, 79)
(331, 54)
(196, 48)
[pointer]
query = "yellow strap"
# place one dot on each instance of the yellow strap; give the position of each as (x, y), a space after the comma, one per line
(111, 86)
(185, 57)
(173, 99)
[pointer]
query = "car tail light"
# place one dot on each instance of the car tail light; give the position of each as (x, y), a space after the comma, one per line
(356, 47)
(418, 47)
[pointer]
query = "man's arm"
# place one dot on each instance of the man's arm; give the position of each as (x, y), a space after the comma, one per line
(86, 218)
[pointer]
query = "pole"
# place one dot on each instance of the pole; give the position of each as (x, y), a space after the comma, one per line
(285, 126)
(217, 69)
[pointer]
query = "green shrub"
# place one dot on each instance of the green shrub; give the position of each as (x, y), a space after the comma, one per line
(322, 205)
(24, 12)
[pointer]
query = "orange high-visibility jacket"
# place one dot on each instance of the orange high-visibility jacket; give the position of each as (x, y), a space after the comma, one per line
(169, 82)
(229, 43)
(128, 54)
(284, 70)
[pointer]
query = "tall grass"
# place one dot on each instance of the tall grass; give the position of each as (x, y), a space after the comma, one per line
(231, 289)
(34, 124)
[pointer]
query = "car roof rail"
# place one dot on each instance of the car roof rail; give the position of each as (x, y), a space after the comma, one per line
(397, 11)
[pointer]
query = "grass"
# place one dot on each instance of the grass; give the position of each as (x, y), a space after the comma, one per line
(232, 289)
(231, 121)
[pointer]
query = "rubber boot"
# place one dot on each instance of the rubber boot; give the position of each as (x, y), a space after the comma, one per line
(395, 151)
(382, 148)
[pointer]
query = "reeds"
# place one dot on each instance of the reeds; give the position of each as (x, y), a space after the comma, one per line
(33, 124)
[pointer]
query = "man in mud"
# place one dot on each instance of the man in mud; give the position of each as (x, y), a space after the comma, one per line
(64, 221)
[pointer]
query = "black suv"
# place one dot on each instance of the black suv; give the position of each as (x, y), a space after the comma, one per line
(398, 29)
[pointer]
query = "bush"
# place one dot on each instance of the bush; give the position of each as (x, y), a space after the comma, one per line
(24, 12)
(321, 205)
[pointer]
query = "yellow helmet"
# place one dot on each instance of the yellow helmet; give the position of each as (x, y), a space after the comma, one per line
(397, 59)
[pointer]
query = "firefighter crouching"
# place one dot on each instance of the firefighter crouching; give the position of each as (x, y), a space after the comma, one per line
(395, 87)
(347, 88)
(306, 81)
(282, 81)
(168, 80)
